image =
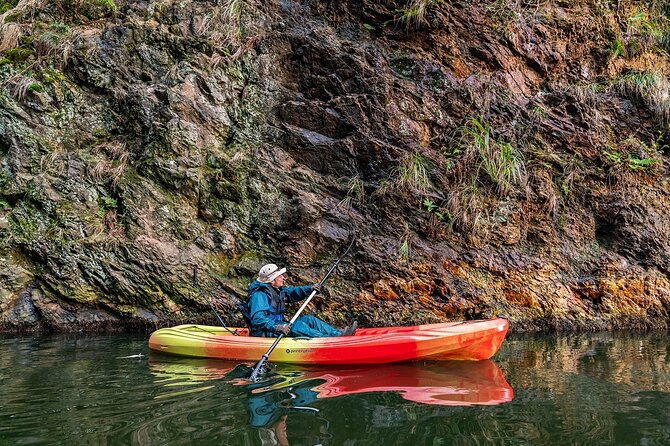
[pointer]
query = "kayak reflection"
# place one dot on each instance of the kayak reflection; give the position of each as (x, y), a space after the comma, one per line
(451, 383)
(457, 383)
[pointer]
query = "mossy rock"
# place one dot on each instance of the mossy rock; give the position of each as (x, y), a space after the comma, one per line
(6, 5)
(19, 55)
(98, 9)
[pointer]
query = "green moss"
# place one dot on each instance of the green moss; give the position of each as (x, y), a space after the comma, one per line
(106, 203)
(109, 203)
(100, 133)
(97, 9)
(5, 179)
(403, 66)
(60, 27)
(6, 5)
(25, 223)
(52, 76)
(107, 4)
(19, 55)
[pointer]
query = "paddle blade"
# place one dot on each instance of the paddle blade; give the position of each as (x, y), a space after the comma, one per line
(258, 370)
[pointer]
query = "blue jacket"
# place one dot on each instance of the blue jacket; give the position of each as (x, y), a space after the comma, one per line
(266, 305)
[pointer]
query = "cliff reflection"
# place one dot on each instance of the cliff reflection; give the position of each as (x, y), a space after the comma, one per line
(634, 359)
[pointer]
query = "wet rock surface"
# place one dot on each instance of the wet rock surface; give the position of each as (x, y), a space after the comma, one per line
(488, 157)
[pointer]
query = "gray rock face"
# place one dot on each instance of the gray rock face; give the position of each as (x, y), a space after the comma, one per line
(485, 161)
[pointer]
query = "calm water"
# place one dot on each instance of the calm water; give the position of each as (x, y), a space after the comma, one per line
(598, 389)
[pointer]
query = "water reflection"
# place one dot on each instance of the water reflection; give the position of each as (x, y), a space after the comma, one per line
(588, 389)
(444, 383)
(291, 389)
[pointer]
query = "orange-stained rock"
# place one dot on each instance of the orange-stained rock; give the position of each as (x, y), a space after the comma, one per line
(421, 286)
(455, 269)
(382, 290)
(524, 299)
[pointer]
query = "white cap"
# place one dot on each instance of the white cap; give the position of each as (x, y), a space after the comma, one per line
(269, 273)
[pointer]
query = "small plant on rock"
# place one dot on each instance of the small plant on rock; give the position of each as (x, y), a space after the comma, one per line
(405, 249)
(412, 172)
(617, 49)
(414, 15)
(438, 217)
(355, 193)
(633, 155)
(500, 161)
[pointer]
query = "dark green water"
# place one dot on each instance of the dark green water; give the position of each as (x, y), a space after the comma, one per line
(598, 389)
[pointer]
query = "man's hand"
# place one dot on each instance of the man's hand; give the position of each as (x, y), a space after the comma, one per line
(283, 328)
(317, 287)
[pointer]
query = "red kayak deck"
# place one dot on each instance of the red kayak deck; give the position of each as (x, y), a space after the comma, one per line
(468, 340)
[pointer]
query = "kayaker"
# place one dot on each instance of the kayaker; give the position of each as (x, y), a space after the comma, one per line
(266, 303)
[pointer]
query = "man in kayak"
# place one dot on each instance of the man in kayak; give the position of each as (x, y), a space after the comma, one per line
(266, 302)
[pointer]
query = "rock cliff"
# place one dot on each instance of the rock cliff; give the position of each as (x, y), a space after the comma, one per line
(489, 157)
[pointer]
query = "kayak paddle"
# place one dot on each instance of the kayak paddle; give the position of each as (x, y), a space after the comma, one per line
(259, 364)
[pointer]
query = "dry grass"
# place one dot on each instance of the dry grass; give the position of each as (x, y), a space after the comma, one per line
(111, 164)
(54, 162)
(415, 14)
(546, 190)
(405, 247)
(10, 33)
(355, 193)
(502, 162)
(60, 47)
(413, 173)
(465, 207)
(222, 26)
(587, 102)
(651, 87)
(522, 13)
(21, 86)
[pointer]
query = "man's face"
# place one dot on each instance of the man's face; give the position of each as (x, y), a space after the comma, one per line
(278, 281)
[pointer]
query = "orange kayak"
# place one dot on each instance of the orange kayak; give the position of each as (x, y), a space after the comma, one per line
(468, 340)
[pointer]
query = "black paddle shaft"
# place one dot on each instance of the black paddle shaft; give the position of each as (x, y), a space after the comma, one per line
(337, 262)
(264, 358)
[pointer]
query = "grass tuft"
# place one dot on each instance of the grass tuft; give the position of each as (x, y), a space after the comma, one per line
(355, 193)
(651, 87)
(413, 172)
(415, 14)
(500, 161)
